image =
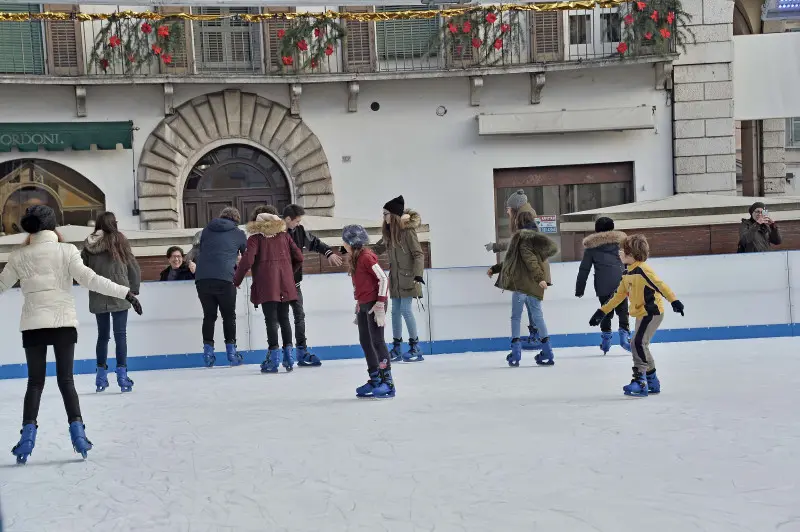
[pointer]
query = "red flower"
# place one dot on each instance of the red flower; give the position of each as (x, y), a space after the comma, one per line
(131, 58)
(302, 45)
(498, 44)
(622, 48)
(314, 63)
(504, 28)
(163, 31)
(317, 32)
(648, 35)
(628, 19)
(167, 58)
(491, 18)
(467, 27)
(459, 49)
(640, 6)
(664, 33)
(147, 28)
(104, 64)
(114, 41)
(287, 60)
(156, 49)
(281, 34)
(670, 17)
(452, 28)
(654, 16)
(329, 50)
(476, 43)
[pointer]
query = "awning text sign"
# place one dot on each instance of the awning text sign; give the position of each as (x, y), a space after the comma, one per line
(58, 136)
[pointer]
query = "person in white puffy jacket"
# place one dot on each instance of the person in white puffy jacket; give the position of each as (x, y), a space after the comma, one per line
(45, 267)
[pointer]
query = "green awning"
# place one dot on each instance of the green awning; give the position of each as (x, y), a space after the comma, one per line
(58, 136)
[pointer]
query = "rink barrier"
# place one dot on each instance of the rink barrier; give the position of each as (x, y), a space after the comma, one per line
(726, 297)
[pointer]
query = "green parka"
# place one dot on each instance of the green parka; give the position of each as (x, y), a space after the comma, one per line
(525, 264)
(406, 260)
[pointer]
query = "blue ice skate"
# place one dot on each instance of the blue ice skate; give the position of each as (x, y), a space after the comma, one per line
(209, 358)
(605, 341)
(397, 350)
(515, 355)
(365, 390)
(125, 382)
(234, 357)
(653, 384)
(81, 444)
(306, 358)
(288, 357)
(625, 339)
(386, 387)
(638, 385)
(101, 379)
(272, 362)
(545, 358)
(532, 342)
(27, 442)
(414, 354)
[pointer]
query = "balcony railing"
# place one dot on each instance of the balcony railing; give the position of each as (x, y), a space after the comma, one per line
(232, 45)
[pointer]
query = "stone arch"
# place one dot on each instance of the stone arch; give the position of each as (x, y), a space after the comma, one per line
(228, 117)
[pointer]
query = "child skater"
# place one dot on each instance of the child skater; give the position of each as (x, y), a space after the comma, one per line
(371, 287)
(406, 266)
(645, 290)
(45, 267)
(601, 250)
(274, 257)
(526, 272)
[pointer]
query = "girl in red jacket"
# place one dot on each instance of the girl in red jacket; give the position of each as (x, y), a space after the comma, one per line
(274, 257)
(371, 287)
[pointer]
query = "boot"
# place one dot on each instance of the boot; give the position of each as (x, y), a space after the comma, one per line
(413, 354)
(125, 383)
(288, 357)
(653, 384)
(27, 442)
(209, 358)
(101, 379)
(397, 350)
(305, 358)
(386, 387)
(234, 358)
(515, 355)
(272, 362)
(81, 444)
(605, 341)
(625, 339)
(366, 390)
(545, 358)
(532, 342)
(638, 385)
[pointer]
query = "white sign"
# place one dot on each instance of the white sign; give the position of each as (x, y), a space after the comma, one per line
(547, 224)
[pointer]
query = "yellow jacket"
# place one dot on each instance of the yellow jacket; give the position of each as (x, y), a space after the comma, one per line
(644, 289)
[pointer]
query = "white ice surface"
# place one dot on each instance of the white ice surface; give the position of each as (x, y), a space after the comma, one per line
(468, 444)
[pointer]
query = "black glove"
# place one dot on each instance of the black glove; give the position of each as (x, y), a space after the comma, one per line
(419, 279)
(578, 294)
(134, 301)
(677, 306)
(597, 317)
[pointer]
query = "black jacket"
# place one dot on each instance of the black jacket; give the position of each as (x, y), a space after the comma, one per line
(601, 250)
(183, 274)
(754, 237)
(306, 240)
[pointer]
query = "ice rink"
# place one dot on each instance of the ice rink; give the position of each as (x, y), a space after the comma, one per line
(467, 444)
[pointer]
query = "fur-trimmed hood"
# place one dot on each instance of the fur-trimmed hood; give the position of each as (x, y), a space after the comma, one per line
(541, 244)
(411, 219)
(600, 239)
(95, 243)
(268, 225)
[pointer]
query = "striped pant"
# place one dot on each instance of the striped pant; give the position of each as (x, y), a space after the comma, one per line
(640, 343)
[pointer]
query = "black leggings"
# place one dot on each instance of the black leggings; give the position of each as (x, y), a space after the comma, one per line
(37, 370)
(372, 340)
(622, 314)
(276, 314)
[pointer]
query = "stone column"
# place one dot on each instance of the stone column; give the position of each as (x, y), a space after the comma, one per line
(705, 148)
(773, 156)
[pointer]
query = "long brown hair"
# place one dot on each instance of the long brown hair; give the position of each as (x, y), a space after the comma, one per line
(523, 220)
(352, 262)
(118, 245)
(391, 231)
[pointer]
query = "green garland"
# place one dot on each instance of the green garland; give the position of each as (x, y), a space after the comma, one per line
(654, 27)
(491, 36)
(308, 41)
(133, 43)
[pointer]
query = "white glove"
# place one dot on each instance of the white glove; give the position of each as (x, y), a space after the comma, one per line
(489, 246)
(379, 310)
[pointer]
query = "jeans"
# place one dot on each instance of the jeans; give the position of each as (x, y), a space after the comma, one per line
(37, 370)
(372, 342)
(299, 319)
(401, 309)
(217, 294)
(276, 314)
(518, 302)
(622, 314)
(120, 321)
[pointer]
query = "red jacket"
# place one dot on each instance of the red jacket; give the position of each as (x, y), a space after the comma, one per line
(273, 257)
(369, 280)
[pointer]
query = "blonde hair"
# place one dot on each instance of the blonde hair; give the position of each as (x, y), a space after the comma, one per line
(636, 246)
(391, 231)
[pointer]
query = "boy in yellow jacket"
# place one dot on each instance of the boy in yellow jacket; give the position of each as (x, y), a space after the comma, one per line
(644, 290)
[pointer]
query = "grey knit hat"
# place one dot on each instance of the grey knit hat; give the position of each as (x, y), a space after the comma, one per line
(517, 200)
(355, 236)
(38, 218)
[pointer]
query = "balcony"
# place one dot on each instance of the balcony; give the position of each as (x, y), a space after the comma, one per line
(227, 45)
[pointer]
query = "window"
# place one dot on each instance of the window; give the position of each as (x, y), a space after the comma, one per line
(793, 132)
(21, 50)
(610, 28)
(580, 29)
(406, 39)
(227, 45)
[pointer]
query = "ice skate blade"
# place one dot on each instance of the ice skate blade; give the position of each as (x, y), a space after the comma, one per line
(631, 394)
(546, 364)
(100, 389)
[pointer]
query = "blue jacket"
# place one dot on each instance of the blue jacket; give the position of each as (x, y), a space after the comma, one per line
(220, 245)
(601, 251)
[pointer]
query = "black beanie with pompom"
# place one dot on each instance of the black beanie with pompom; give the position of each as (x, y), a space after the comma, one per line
(38, 218)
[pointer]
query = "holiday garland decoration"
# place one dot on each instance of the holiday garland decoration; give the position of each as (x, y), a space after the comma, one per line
(482, 37)
(654, 26)
(310, 40)
(133, 43)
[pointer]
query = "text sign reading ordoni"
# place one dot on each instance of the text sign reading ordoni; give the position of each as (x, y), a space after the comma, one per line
(58, 136)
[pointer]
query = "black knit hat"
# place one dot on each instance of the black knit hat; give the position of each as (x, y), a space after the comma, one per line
(38, 218)
(756, 205)
(396, 206)
(603, 224)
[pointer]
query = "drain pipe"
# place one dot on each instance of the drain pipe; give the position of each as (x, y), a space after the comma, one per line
(669, 88)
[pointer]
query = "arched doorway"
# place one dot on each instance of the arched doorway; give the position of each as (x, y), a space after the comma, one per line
(235, 175)
(26, 182)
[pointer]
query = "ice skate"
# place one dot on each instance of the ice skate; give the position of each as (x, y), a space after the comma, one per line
(125, 382)
(625, 339)
(288, 357)
(272, 362)
(101, 379)
(638, 385)
(27, 442)
(365, 390)
(532, 342)
(605, 341)
(234, 358)
(306, 359)
(81, 444)
(209, 358)
(515, 355)
(386, 387)
(653, 384)
(397, 350)
(414, 354)
(545, 358)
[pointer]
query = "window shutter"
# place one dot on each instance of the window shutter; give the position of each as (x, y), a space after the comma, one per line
(460, 52)
(21, 50)
(406, 39)
(359, 46)
(64, 55)
(546, 36)
(227, 45)
(794, 132)
(181, 58)
(274, 60)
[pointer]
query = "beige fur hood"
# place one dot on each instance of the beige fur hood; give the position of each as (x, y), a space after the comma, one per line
(600, 239)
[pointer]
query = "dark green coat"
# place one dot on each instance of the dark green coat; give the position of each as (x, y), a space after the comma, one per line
(754, 237)
(407, 260)
(96, 256)
(525, 264)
